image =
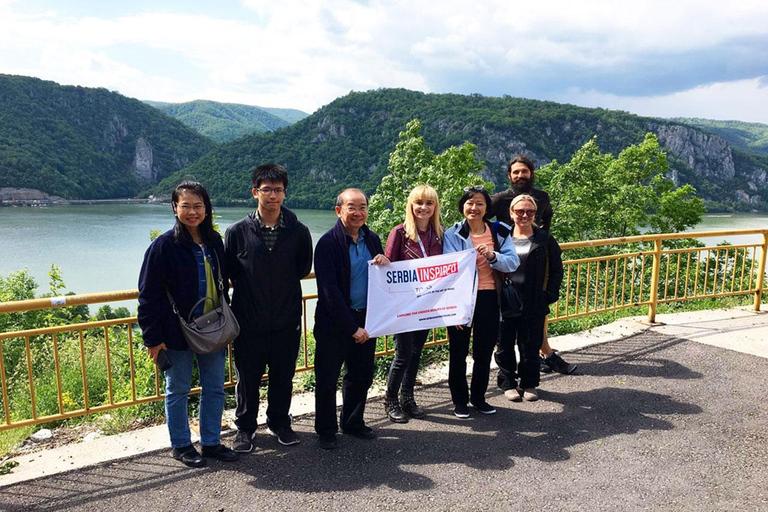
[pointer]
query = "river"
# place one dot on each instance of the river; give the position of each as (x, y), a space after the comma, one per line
(101, 247)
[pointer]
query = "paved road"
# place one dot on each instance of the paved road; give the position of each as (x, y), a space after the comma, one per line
(655, 422)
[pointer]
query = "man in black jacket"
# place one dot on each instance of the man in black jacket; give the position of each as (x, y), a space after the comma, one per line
(268, 253)
(341, 268)
(520, 171)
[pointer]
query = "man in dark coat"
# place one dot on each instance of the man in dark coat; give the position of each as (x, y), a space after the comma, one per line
(268, 253)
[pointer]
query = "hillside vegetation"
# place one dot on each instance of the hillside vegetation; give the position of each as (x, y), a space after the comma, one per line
(750, 137)
(84, 143)
(223, 122)
(348, 142)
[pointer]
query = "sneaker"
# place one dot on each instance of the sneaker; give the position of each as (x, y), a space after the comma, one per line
(484, 407)
(220, 452)
(189, 456)
(530, 394)
(243, 442)
(363, 432)
(328, 442)
(461, 411)
(285, 436)
(558, 364)
(514, 395)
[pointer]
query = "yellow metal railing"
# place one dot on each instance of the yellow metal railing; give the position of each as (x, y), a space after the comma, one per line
(66, 371)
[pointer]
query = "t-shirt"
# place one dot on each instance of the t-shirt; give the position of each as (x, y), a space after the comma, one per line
(485, 279)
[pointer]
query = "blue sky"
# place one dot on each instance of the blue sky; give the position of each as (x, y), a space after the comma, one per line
(660, 58)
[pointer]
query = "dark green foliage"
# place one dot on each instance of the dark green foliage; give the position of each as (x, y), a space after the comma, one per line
(79, 143)
(347, 142)
(223, 122)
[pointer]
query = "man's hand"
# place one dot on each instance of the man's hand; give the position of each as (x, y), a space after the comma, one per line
(380, 259)
(361, 335)
(153, 351)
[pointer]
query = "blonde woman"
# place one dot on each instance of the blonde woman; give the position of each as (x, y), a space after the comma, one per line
(418, 237)
(537, 280)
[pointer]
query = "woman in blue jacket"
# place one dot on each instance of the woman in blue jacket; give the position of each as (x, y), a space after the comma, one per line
(186, 262)
(495, 254)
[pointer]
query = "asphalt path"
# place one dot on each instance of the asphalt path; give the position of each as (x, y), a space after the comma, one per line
(653, 422)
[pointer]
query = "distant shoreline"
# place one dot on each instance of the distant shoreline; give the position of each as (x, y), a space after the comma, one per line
(58, 202)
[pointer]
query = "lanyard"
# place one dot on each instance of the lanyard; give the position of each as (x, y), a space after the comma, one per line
(421, 244)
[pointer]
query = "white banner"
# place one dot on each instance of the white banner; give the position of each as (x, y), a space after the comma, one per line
(413, 295)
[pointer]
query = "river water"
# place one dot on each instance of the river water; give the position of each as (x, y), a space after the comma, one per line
(101, 247)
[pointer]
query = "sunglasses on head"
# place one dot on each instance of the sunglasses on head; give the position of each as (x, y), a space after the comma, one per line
(476, 188)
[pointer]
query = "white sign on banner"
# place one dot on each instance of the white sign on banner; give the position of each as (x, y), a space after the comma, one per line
(424, 293)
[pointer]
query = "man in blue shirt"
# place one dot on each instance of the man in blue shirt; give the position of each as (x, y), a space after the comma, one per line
(341, 269)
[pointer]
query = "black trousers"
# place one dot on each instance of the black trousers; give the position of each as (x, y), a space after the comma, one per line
(528, 334)
(331, 351)
(402, 373)
(254, 352)
(485, 332)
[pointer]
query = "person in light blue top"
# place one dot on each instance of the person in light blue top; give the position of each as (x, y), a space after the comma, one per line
(495, 255)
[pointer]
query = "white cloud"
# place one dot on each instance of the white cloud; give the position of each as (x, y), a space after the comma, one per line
(743, 100)
(305, 53)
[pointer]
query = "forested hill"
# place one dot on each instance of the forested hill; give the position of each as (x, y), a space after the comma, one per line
(85, 143)
(228, 121)
(750, 137)
(347, 143)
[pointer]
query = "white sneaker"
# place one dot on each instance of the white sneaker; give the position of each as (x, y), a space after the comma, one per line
(530, 394)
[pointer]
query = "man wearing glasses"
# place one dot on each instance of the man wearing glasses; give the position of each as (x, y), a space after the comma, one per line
(267, 253)
(341, 268)
(520, 172)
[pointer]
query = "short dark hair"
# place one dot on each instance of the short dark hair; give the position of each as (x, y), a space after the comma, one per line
(207, 233)
(470, 193)
(340, 197)
(269, 172)
(523, 159)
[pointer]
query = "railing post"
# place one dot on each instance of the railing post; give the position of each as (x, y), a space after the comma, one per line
(655, 271)
(761, 272)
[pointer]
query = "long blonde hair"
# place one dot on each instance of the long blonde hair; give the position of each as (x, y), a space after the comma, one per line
(426, 193)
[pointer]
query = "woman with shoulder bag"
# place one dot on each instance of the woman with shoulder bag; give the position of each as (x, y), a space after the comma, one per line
(495, 254)
(179, 269)
(537, 285)
(419, 236)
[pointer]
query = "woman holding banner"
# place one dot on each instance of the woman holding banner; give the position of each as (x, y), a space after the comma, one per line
(537, 281)
(495, 254)
(419, 236)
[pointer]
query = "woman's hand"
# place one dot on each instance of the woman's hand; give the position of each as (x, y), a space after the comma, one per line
(380, 259)
(487, 252)
(154, 351)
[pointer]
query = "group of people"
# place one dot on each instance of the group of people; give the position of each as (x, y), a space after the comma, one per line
(265, 256)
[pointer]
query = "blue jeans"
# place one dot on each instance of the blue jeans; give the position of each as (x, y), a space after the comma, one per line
(178, 381)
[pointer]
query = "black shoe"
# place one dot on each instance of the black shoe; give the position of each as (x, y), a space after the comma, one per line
(543, 366)
(220, 452)
(558, 364)
(189, 456)
(484, 407)
(363, 432)
(243, 442)
(461, 411)
(285, 436)
(394, 411)
(411, 408)
(328, 442)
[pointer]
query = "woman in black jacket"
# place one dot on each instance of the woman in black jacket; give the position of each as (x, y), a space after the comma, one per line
(186, 263)
(537, 281)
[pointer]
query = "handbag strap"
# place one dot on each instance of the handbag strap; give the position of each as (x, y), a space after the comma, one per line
(220, 287)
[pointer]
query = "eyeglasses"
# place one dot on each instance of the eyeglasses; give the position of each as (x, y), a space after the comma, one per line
(476, 188)
(353, 209)
(268, 190)
(521, 213)
(189, 207)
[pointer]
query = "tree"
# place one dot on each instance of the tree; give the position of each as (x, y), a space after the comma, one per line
(596, 195)
(412, 163)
